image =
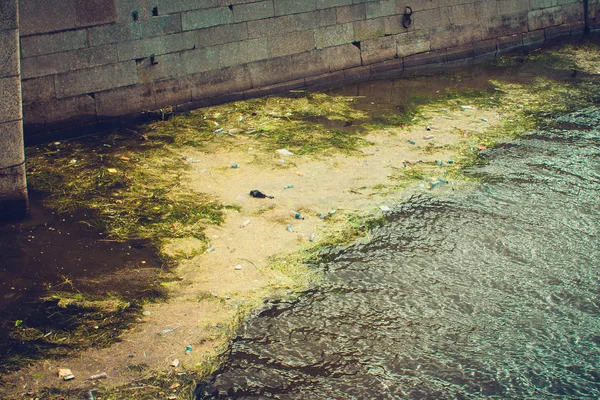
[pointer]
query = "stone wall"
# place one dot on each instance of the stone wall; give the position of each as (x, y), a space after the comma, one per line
(91, 61)
(13, 188)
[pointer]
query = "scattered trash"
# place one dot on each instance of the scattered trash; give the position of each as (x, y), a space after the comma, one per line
(174, 386)
(466, 107)
(284, 152)
(442, 180)
(289, 228)
(73, 161)
(484, 120)
(147, 313)
(125, 158)
(211, 249)
(188, 349)
(174, 363)
(190, 160)
(234, 166)
(312, 237)
(112, 170)
(433, 184)
(259, 195)
(331, 212)
(385, 208)
(172, 397)
(102, 375)
(288, 186)
(299, 173)
(427, 137)
(481, 147)
(65, 374)
(245, 223)
(232, 131)
(166, 331)
(440, 163)
(428, 128)
(321, 215)
(450, 161)
(220, 130)
(411, 141)
(250, 149)
(297, 215)
(238, 267)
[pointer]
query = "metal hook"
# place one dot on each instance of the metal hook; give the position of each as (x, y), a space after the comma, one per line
(406, 20)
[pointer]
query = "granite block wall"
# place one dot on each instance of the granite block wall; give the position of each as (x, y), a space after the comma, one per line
(13, 187)
(92, 61)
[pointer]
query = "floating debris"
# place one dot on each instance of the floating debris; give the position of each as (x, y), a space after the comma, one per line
(188, 349)
(284, 152)
(101, 375)
(65, 374)
(288, 186)
(466, 107)
(238, 267)
(289, 228)
(245, 223)
(259, 195)
(411, 141)
(428, 137)
(211, 249)
(174, 363)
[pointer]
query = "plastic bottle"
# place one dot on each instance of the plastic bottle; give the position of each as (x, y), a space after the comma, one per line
(297, 215)
(188, 349)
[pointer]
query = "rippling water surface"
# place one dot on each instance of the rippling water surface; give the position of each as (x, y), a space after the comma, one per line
(487, 292)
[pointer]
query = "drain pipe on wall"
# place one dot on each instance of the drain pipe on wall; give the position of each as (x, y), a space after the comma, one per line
(586, 15)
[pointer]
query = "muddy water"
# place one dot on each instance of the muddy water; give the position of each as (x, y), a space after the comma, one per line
(492, 291)
(50, 253)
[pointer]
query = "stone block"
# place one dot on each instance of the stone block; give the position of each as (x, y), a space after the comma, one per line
(271, 26)
(322, 4)
(417, 5)
(460, 53)
(291, 43)
(278, 88)
(376, 50)
(369, 29)
(395, 65)
(42, 16)
(428, 19)
(8, 14)
(394, 25)
(10, 100)
(431, 58)
(224, 80)
(545, 18)
(253, 11)
(507, 7)
(164, 67)
(324, 80)
(172, 92)
(13, 192)
(158, 26)
(243, 52)
(572, 13)
(95, 12)
(334, 35)
(542, 3)
(351, 13)
(38, 45)
(11, 143)
(533, 39)
(114, 33)
(310, 63)
(57, 114)
(96, 79)
(484, 47)
(38, 89)
(92, 56)
(413, 43)
(44, 65)
(9, 53)
(206, 18)
(178, 6)
(504, 25)
(462, 14)
(219, 35)
(343, 57)
(125, 101)
(384, 8)
(271, 71)
(287, 7)
(146, 47)
(555, 32)
(509, 43)
(456, 35)
(314, 20)
(486, 10)
(200, 60)
(357, 74)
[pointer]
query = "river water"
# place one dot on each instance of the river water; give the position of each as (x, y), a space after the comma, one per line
(487, 292)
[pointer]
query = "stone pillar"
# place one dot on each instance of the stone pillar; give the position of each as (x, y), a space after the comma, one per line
(13, 186)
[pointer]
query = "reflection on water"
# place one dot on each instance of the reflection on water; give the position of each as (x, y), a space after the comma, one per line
(488, 292)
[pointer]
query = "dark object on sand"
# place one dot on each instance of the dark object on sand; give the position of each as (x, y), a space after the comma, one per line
(259, 195)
